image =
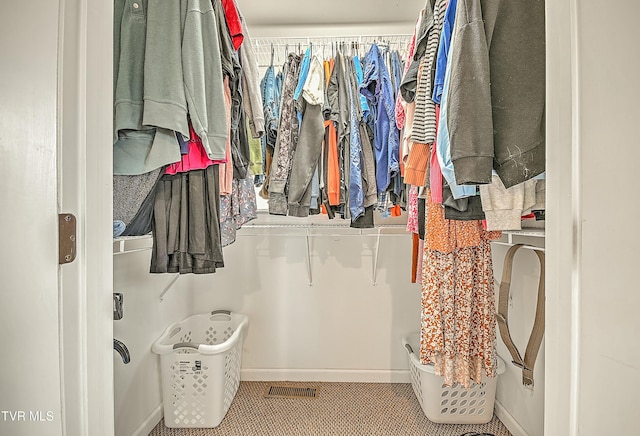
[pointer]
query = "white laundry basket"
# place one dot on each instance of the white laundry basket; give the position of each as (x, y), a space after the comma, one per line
(200, 364)
(450, 404)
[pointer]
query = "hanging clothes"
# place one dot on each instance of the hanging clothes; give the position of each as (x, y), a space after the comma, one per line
(497, 109)
(251, 87)
(138, 147)
(339, 107)
(347, 157)
(376, 86)
(183, 86)
(286, 141)
(458, 299)
(234, 23)
(186, 225)
(309, 147)
(424, 125)
(237, 209)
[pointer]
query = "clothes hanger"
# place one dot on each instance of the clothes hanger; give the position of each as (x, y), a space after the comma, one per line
(272, 53)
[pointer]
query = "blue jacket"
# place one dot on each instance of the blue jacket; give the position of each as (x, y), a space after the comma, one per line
(377, 88)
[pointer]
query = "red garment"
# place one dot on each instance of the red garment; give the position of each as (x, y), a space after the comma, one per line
(435, 172)
(414, 257)
(195, 159)
(234, 24)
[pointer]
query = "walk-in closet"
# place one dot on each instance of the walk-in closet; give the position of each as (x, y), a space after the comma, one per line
(277, 169)
(336, 289)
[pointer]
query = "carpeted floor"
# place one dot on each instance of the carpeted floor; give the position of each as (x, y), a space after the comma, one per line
(340, 409)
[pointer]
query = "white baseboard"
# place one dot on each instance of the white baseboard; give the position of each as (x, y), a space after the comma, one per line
(508, 420)
(150, 423)
(323, 375)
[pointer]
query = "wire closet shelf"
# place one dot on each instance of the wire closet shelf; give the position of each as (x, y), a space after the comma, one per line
(327, 46)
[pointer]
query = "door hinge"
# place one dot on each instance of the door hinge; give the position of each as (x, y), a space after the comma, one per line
(66, 238)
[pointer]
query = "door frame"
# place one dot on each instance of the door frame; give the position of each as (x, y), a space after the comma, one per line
(85, 102)
(563, 222)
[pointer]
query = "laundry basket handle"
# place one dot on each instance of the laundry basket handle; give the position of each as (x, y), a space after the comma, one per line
(217, 312)
(409, 348)
(185, 345)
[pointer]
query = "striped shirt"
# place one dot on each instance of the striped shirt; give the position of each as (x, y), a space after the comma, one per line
(424, 122)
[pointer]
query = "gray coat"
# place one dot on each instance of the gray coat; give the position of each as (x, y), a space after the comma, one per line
(496, 99)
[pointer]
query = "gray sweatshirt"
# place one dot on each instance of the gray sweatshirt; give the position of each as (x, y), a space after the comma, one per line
(251, 85)
(183, 72)
(137, 148)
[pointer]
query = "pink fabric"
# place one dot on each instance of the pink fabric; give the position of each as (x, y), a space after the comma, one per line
(226, 169)
(195, 159)
(435, 172)
(400, 114)
(412, 219)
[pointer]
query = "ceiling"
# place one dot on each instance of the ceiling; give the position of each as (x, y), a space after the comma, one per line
(328, 12)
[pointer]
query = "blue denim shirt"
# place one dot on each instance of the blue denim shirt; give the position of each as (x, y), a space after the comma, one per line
(363, 100)
(378, 89)
(270, 103)
(396, 64)
(356, 192)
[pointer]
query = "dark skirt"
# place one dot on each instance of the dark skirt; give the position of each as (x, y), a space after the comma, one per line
(186, 226)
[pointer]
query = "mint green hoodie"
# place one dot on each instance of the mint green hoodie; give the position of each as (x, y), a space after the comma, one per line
(183, 72)
(137, 148)
(167, 68)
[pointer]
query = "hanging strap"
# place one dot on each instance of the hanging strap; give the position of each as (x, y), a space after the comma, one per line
(535, 339)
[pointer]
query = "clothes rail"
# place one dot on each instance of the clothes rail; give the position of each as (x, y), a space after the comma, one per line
(265, 47)
(527, 247)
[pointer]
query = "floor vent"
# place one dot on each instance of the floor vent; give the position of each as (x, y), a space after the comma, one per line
(280, 391)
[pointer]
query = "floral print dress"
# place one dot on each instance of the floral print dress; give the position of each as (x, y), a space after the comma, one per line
(458, 299)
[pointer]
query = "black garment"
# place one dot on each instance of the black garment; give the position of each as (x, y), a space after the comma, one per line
(240, 148)
(186, 224)
(227, 51)
(428, 19)
(472, 212)
(409, 83)
(364, 221)
(422, 217)
(141, 224)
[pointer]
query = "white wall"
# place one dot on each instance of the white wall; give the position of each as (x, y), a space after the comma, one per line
(609, 356)
(524, 405)
(341, 328)
(137, 384)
